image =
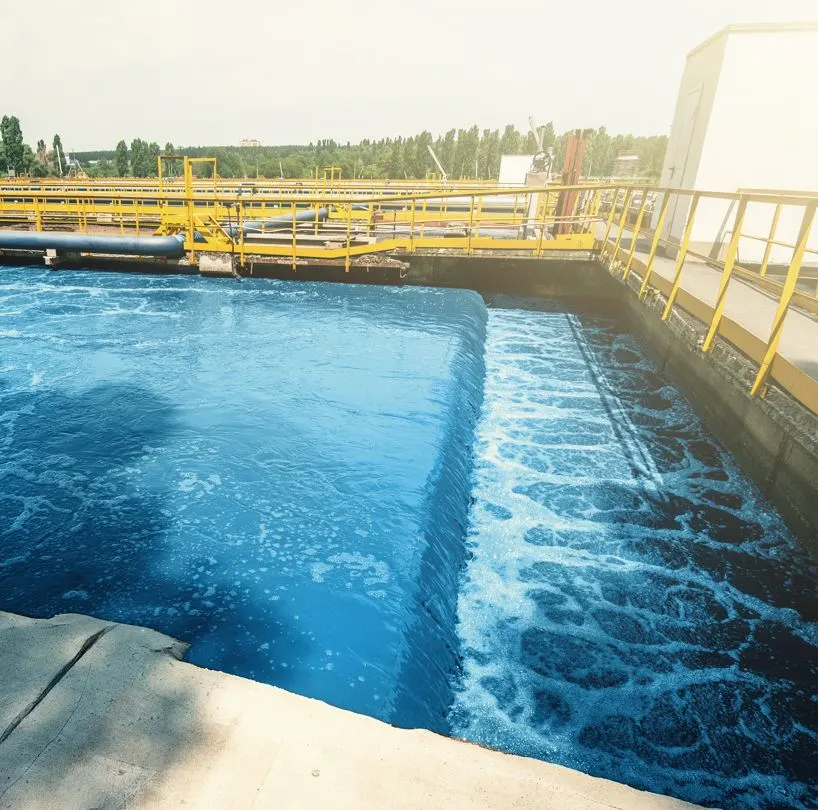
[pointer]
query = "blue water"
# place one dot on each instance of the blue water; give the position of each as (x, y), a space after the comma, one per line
(272, 472)
(632, 606)
(287, 477)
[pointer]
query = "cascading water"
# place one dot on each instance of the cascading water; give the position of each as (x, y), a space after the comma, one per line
(281, 474)
(632, 607)
(276, 473)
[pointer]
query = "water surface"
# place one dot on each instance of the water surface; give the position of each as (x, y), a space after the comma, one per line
(633, 607)
(265, 470)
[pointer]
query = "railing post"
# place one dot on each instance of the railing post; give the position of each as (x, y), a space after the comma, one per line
(544, 220)
(622, 222)
(784, 301)
(729, 263)
(471, 220)
(657, 238)
(292, 211)
(680, 259)
(768, 249)
(188, 172)
(136, 214)
(635, 235)
(611, 215)
(423, 217)
(412, 228)
(349, 240)
(241, 233)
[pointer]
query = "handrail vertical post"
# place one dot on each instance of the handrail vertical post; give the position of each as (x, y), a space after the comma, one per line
(412, 228)
(241, 233)
(768, 249)
(622, 222)
(611, 215)
(188, 172)
(727, 272)
(680, 259)
(635, 235)
(471, 221)
(349, 239)
(543, 223)
(786, 297)
(657, 238)
(292, 211)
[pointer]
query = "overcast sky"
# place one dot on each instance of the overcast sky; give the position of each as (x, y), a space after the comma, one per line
(214, 71)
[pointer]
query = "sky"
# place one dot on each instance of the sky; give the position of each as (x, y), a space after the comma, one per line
(211, 72)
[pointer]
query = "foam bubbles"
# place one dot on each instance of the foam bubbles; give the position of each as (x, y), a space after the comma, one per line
(632, 607)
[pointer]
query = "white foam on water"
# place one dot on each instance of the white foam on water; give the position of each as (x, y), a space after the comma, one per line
(613, 601)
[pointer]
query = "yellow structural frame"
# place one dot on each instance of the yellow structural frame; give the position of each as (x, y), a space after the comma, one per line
(376, 217)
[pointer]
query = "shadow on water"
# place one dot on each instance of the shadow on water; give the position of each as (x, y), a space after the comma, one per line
(84, 532)
(71, 525)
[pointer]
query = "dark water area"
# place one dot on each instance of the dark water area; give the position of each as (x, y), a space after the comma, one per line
(500, 523)
(633, 607)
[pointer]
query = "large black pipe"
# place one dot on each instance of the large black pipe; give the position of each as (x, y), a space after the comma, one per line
(283, 221)
(93, 243)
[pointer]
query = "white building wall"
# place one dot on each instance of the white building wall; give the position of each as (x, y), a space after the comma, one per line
(514, 168)
(756, 126)
(694, 105)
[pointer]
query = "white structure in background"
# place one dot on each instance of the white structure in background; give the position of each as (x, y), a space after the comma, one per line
(514, 168)
(247, 143)
(746, 118)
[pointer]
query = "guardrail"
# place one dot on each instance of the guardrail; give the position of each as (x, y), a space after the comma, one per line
(214, 218)
(712, 229)
(751, 235)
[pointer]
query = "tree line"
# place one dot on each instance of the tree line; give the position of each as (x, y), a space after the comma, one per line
(463, 153)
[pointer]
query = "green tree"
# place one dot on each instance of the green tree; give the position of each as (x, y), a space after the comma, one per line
(153, 153)
(490, 154)
(169, 150)
(121, 158)
(395, 166)
(141, 158)
(510, 141)
(549, 136)
(12, 137)
(58, 155)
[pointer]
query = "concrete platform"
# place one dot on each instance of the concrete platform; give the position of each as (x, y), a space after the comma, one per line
(95, 714)
(752, 308)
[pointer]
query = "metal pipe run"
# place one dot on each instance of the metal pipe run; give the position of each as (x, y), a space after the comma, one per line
(284, 221)
(92, 243)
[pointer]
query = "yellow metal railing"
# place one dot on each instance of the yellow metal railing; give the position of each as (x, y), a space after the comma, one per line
(633, 227)
(680, 230)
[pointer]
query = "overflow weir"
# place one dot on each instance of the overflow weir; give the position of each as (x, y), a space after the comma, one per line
(577, 534)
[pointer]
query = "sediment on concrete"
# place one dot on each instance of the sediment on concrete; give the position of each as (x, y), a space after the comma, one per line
(99, 714)
(773, 438)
